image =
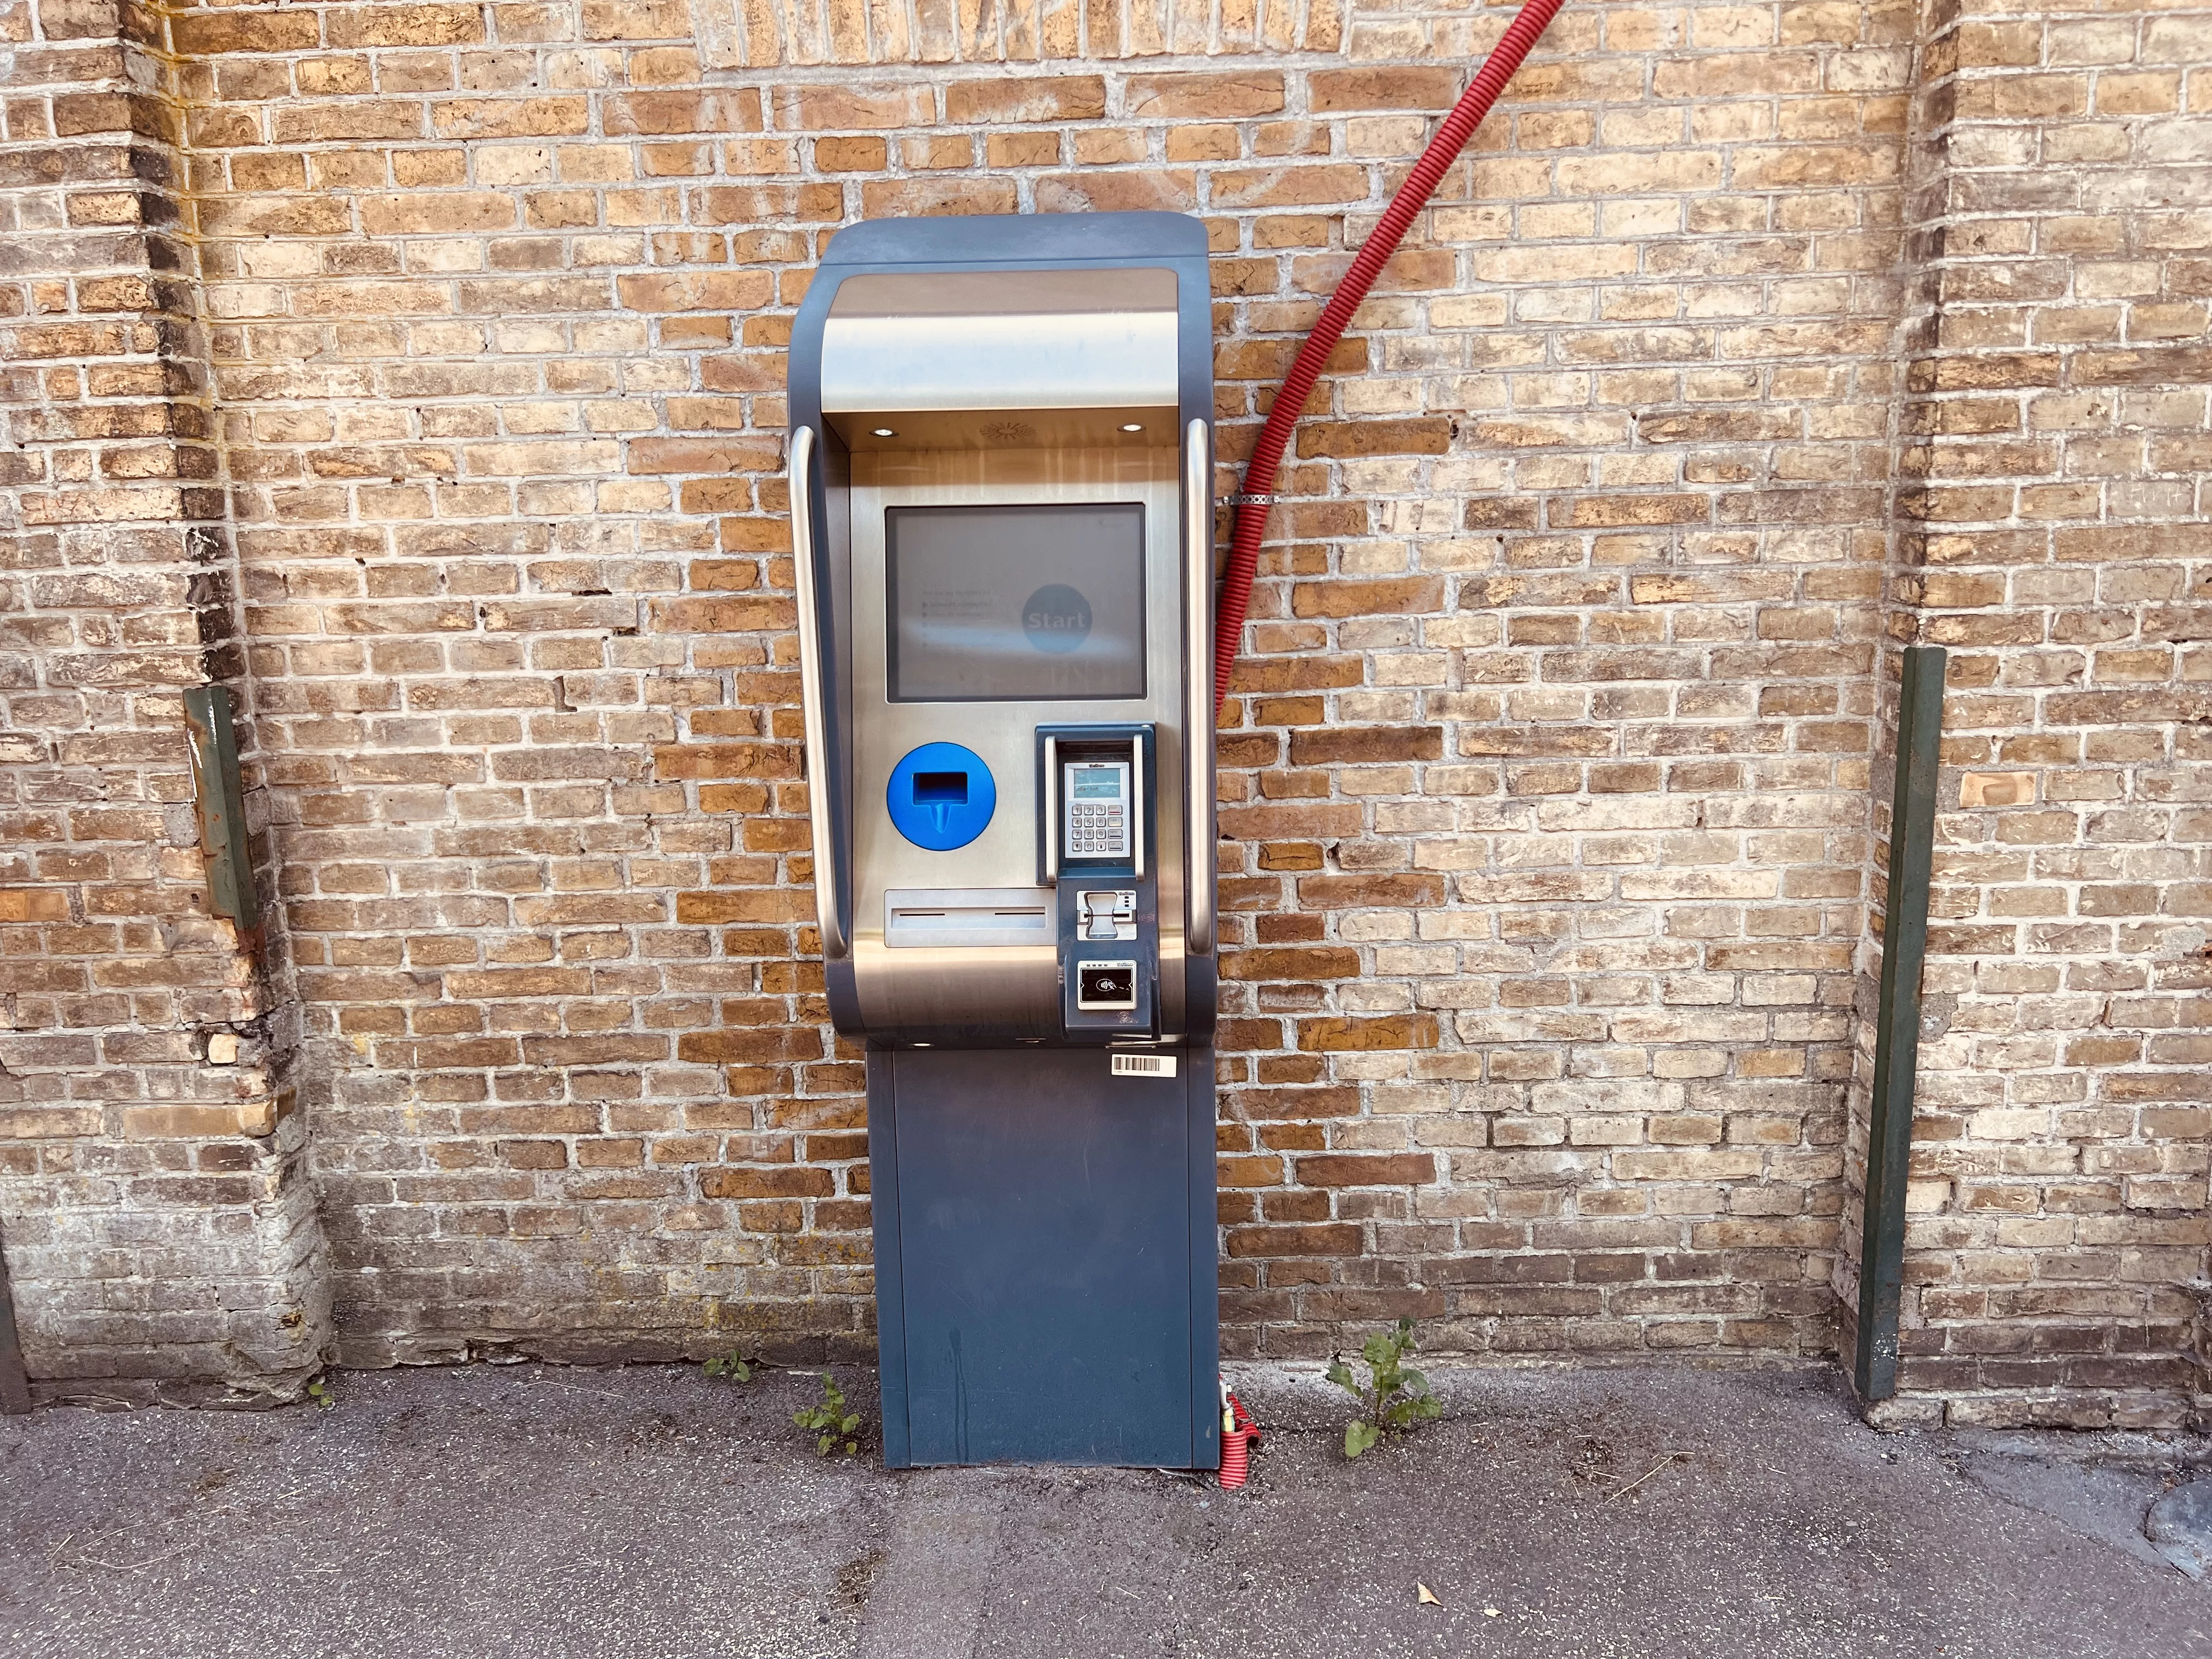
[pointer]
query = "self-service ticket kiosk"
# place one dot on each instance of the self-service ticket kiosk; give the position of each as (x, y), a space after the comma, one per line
(1001, 477)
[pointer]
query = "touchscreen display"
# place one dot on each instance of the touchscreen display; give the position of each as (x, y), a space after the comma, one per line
(1015, 604)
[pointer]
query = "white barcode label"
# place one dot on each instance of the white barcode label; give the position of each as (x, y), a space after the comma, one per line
(1144, 1065)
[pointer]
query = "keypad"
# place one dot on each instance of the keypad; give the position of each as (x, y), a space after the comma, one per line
(1097, 829)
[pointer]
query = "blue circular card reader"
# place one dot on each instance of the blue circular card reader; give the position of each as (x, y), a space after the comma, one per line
(941, 796)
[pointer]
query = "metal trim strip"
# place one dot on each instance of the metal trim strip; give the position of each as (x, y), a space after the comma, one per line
(829, 915)
(1198, 688)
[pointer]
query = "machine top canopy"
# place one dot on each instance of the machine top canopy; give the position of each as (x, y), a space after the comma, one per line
(1003, 293)
(938, 339)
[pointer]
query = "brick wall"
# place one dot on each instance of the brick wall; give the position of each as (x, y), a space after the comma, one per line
(1547, 782)
(2060, 449)
(161, 1233)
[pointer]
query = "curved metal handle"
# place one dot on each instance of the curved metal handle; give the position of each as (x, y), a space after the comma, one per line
(1052, 811)
(1198, 686)
(827, 913)
(1137, 808)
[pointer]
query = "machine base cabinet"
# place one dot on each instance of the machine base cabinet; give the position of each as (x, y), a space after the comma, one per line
(1045, 1257)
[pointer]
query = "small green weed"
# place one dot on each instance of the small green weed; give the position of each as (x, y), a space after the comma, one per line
(829, 1421)
(1394, 1398)
(320, 1392)
(735, 1366)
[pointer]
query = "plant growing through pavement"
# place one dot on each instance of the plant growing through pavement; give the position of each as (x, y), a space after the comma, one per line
(1394, 1398)
(735, 1366)
(829, 1421)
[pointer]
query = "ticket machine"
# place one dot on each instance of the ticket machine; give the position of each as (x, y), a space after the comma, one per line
(1001, 497)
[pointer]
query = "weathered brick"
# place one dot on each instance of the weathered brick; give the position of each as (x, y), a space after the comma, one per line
(1366, 1169)
(436, 25)
(1322, 1240)
(210, 33)
(793, 1181)
(1353, 439)
(1292, 963)
(1349, 1034)
(1358, 745)
(1042, 98)
(1208, 96)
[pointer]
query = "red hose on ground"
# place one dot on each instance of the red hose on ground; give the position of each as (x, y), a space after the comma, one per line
(1413, 196)
(1239, 1434)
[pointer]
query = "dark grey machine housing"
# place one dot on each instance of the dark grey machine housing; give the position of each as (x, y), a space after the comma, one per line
(1042, 1172)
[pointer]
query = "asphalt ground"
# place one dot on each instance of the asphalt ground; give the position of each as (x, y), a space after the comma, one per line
(652, 1512)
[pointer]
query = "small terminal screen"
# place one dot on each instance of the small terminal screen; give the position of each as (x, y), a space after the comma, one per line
(1015, 603)
(1097, 783)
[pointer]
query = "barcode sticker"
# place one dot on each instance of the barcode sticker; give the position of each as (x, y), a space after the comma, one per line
(1144, 1065)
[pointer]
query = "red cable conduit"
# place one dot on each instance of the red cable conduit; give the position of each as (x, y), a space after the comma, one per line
(1527, 27)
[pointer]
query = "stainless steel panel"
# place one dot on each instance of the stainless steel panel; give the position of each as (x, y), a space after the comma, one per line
(999, 340)
(941, 918)
(905, 430)
(1015, 991)
(1006, 293)
(897, 988)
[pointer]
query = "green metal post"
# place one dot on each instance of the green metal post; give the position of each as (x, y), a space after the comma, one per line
(15, 1382)
(1896, 1021)
(221, 801)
